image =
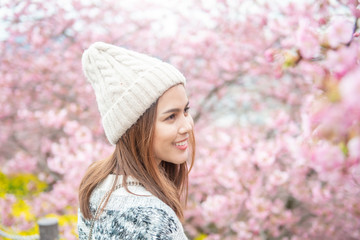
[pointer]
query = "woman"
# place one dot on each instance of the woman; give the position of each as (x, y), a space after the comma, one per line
(138, 192)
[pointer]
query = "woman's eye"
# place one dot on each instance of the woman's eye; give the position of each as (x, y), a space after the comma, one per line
(172, 116)
(186, 110)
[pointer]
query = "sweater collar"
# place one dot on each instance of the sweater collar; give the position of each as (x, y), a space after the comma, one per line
(108, 182)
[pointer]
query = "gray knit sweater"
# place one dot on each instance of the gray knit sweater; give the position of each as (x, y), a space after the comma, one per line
(127, 216)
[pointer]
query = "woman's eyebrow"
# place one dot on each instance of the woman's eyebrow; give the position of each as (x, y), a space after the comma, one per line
(175, 109)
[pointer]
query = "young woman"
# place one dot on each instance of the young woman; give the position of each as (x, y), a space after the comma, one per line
(138, 192)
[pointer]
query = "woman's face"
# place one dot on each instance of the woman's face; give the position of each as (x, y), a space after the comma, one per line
(173, 125)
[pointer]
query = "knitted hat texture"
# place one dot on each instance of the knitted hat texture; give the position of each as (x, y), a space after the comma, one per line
(126, 84)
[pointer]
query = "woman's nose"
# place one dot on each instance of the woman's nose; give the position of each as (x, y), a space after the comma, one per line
(186, 125)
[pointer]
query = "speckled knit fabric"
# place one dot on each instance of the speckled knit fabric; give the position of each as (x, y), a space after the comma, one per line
(128, 216)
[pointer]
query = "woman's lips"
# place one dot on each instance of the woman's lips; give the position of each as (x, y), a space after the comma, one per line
(182, 145)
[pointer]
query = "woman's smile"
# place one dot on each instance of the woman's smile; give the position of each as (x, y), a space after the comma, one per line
(182, 145)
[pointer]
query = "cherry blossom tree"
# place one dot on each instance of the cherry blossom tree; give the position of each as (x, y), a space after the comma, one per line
(274, 92)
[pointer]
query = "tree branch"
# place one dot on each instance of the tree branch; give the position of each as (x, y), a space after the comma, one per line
(213, 91)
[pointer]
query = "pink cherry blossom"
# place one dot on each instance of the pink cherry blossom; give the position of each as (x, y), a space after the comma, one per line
(259, 207)
(21, 163)
(339, 31)
(212, 208)
(308, 42)
(278, 177)
(350, 86)
(354, 148)
(242, 230)
(327, 157)
(341, 61)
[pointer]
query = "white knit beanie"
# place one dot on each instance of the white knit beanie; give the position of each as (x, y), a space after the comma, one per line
(126, 84)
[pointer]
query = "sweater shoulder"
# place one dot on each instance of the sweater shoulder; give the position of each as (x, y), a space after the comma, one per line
(133, 217)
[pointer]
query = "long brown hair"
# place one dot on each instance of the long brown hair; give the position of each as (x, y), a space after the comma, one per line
(134, 156)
